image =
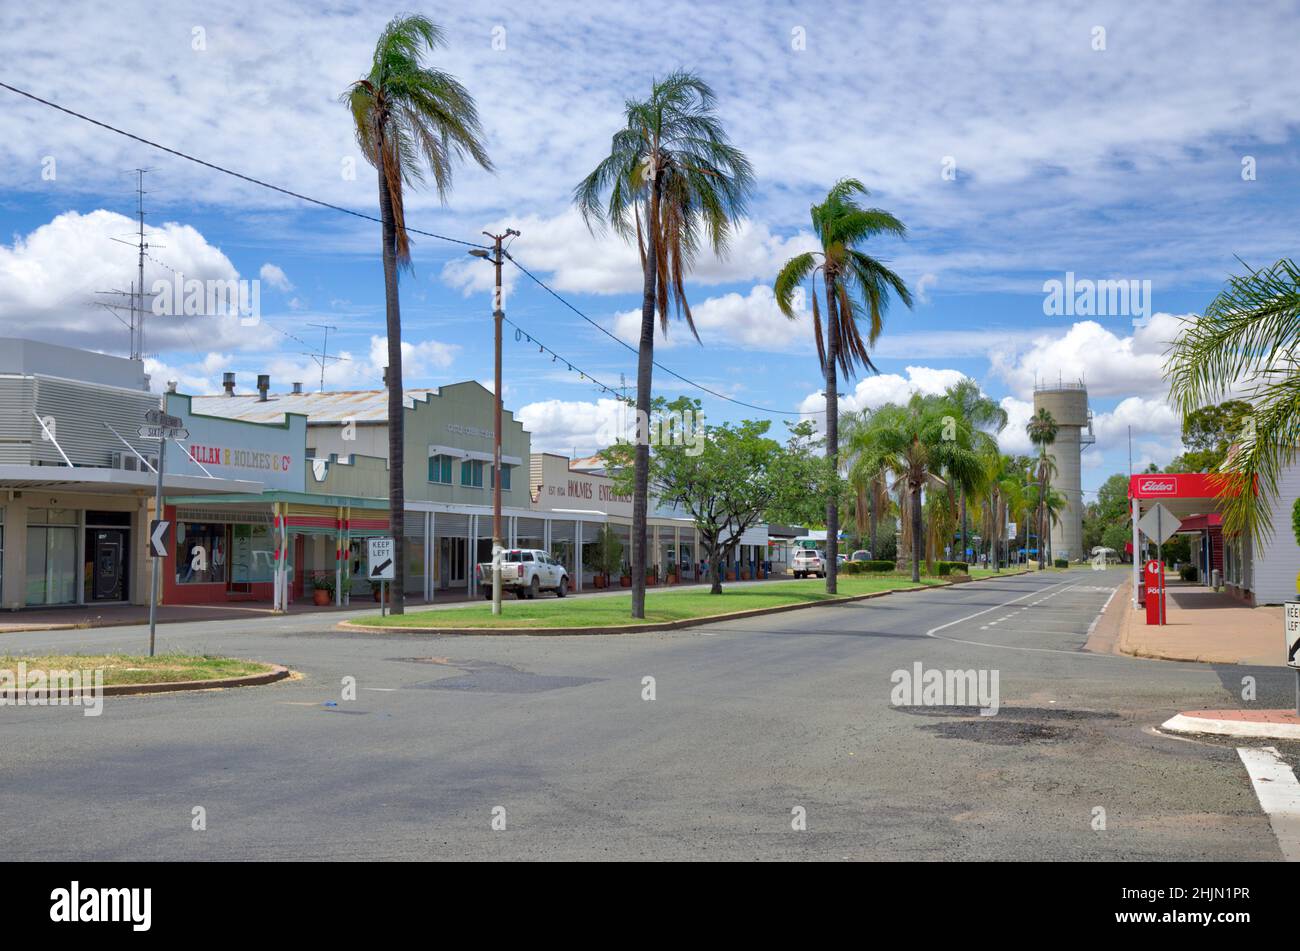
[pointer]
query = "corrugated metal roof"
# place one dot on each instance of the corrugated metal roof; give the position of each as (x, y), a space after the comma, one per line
(362, 406)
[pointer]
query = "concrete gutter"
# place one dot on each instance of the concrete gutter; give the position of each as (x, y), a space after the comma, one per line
(631, 628)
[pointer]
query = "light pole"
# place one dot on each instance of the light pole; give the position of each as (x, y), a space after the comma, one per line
(498, 314)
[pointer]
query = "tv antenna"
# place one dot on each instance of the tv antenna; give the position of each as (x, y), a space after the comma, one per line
(323, 358)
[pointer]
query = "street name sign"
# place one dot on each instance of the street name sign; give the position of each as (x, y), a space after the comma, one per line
(157, 417)
(381, 565)
(164, 432)
(1159, 524)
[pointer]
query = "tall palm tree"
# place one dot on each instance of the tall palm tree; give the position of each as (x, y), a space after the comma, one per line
(985, 416)
(911, 443)
(670, 179)
(857, 288)
(1249, 332)
(1001, 484)
(407, 115)
(1042, 430)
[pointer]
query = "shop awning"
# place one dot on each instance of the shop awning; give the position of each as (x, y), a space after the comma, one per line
(117, 481)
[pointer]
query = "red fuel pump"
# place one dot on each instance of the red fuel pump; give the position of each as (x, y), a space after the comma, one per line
(1154, 577)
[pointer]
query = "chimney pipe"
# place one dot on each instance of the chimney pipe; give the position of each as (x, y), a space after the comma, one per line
(263, 386)
(228, 383)
(297, 387)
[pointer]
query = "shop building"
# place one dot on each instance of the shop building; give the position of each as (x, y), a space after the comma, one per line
(76, 479)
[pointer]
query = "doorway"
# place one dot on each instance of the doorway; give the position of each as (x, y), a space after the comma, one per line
(107, 553)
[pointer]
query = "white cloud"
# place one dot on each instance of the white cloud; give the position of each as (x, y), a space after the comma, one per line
(877, 390)
(274, 275)
(1110, 364)
(51, 279)
(564, 426)
(747, 321)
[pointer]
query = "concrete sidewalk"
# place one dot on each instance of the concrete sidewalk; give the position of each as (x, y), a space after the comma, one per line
(1202, 625)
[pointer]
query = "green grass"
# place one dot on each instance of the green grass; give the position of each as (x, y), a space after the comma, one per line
(133, 669)
(671, 605)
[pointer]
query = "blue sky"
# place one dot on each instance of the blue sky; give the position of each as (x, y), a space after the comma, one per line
(1120, 154)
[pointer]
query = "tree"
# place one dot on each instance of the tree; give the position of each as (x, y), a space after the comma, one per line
(857, 287)
(671, 177)
(984, 416)
(1042, 430)
(922, 447)
(1208, 434)
(1249, 332)
(727, 483)
(407, 115)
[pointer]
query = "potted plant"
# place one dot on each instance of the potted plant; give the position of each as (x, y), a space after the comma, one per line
(377, 586)
(651, 578)
(604, 556)
(322, 590)
(625, 577)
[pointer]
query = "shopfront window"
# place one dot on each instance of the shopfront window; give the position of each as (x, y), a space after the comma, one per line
(201, 553)
(440, 469)
(51, 556)
(505, 478)
(252, 554)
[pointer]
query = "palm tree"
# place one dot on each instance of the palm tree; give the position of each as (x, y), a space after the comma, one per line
(1042, 431)
(911, 443)
(407, 115)
(1001, 486)
(671, 178)
(857, 286)
(984, 416)
(1250, 332)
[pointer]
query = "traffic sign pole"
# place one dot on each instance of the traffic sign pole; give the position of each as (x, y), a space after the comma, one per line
(158, 514)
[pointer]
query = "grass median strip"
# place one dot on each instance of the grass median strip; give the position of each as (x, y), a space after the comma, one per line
(661, 605)
(122, 669)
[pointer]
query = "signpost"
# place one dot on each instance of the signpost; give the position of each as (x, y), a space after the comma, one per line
(162, 427)
(1161, 525)
(380, 565)
(1292, 630)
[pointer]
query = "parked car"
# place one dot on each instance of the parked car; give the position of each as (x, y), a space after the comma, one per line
(860, 555)
(525, 571)
(808, 562)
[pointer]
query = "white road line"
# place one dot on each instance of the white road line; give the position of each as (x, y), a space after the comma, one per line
(1093, 626)
(933, 632)
(1279, 795)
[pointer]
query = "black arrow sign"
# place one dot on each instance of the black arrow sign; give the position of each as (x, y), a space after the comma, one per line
(379, 568)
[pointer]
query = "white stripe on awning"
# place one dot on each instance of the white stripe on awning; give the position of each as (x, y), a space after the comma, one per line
(448, 451)
(487, 457)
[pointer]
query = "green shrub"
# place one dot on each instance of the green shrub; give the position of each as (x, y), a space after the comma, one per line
(865, 567)
(1060, 563)
(1188, 573)
(948, 567)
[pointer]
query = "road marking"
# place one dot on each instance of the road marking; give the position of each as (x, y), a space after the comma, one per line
(1278, 793)
(933, 632)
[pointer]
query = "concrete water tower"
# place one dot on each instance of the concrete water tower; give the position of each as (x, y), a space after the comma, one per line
(1068, 404)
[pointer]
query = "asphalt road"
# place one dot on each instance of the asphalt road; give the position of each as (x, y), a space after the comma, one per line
(751, 721)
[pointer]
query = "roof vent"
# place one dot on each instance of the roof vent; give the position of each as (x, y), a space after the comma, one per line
(263, 386)
(228, 383)
(297, 388)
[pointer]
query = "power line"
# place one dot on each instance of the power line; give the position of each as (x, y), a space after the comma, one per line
(429, 234)
(224, 170)
(623, 343)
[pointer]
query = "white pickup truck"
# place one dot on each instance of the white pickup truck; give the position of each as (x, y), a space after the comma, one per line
(525, 571)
